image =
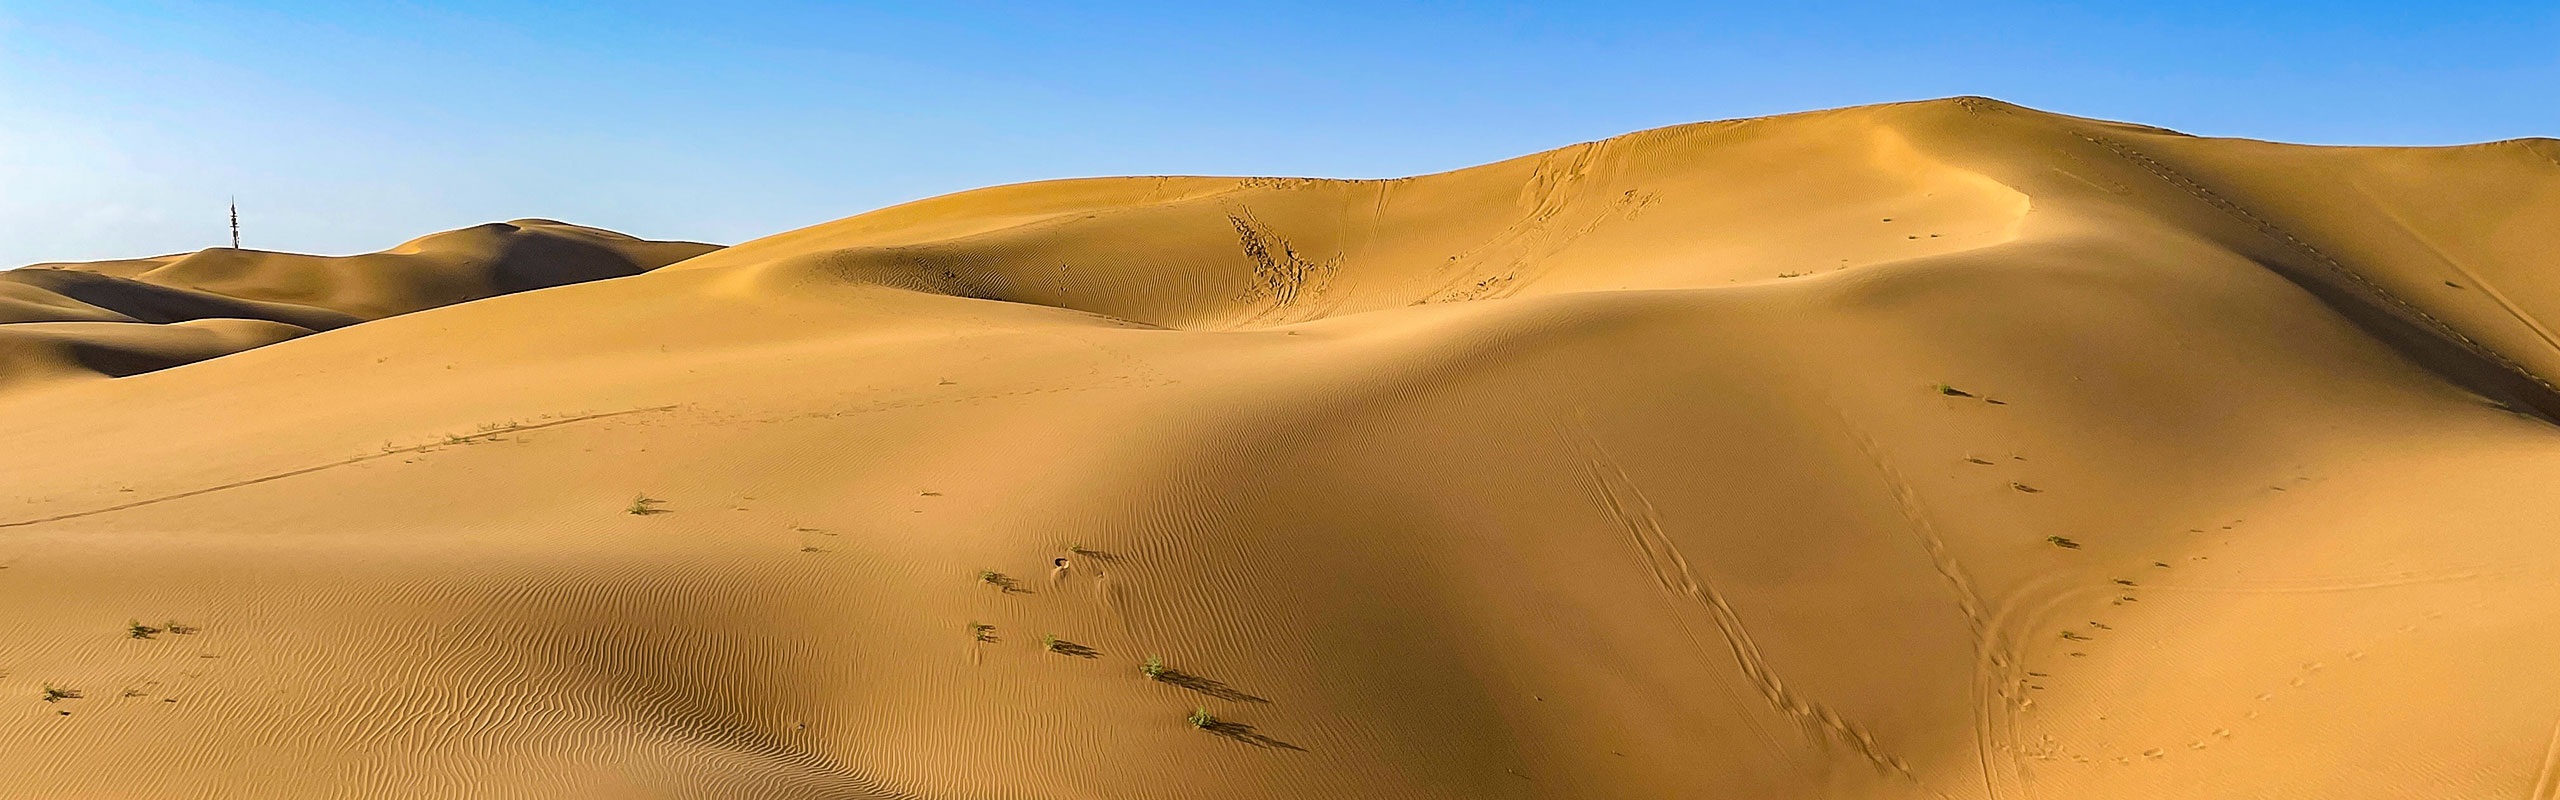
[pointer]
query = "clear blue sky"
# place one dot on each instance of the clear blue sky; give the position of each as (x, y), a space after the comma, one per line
(350, 126)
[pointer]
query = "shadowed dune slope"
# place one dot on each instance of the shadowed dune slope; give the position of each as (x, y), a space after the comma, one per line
(1934, 450)
(115, 318)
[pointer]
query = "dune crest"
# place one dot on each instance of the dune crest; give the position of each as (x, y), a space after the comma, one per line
(116, 318)
(1948, 449)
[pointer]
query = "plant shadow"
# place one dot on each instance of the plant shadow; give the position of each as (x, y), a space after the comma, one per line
(1245, 733)
(1207, 686)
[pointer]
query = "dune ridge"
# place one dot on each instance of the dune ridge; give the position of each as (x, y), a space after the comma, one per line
(1948, 449)
(116, 318)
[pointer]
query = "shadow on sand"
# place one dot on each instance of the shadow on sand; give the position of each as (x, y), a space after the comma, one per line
(1244, 733)
(1207, 686)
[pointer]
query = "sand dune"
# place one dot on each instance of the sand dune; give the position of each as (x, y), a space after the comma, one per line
(1935, 450)
(116, 318)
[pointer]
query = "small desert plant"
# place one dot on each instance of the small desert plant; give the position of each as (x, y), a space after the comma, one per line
(998, 580)
(982, 631)
(173, 626)
(2062, 542)
(1154, 668)
(1049, 642)
(1201, 718)
(642, 505)
(1951, 391)
(135, 629)
(56, 694)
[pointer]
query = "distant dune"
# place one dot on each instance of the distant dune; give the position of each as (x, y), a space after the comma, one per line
(1947, 449)
(116, 318)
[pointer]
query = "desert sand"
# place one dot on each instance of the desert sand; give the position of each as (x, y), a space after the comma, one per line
(118, 318)
(1947, 449)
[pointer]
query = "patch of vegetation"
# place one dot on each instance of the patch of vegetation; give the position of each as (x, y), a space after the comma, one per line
(1153, 668)
(1951, 391)
(2024, 488)
(1201, 718)
(135, 629)
(644, 505)
(982, 631)
(179, 628)
(56, 694)
(1052, 643)
(1000, 581)
(2062, 542)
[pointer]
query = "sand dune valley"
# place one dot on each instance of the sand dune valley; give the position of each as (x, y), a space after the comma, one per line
(1949, 450)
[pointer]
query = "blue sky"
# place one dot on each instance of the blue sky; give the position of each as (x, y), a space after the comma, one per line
(349, 127)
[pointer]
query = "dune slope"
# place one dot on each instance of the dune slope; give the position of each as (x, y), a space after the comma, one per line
(116, 318)
(1933, 450)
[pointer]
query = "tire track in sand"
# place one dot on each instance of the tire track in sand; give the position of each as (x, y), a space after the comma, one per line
(1627, 506)
(456, 440)
(1995, 668)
